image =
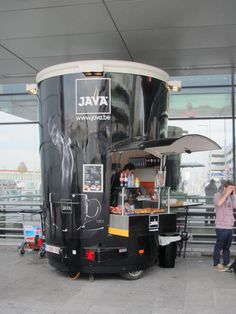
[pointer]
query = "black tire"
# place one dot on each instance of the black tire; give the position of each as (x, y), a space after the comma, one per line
(132, 275)
(41, 254)
(22, 248)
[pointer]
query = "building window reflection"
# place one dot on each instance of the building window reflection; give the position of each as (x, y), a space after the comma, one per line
(204, 166)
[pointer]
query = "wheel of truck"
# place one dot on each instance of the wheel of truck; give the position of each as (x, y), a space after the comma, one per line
(132, 275)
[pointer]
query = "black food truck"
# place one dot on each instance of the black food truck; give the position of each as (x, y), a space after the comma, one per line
(96, 116)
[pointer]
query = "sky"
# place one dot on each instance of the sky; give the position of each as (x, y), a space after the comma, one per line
(18, 143)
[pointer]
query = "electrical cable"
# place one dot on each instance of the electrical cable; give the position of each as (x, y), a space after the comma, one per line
(75, 277)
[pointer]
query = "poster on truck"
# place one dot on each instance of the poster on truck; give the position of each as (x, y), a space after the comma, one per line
(93, 178)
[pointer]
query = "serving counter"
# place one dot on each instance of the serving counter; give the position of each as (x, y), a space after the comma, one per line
(126, 225)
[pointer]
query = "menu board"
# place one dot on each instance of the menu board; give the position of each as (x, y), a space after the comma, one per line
(92, 178)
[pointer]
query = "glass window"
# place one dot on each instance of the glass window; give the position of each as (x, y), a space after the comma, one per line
(197, 169)
(19, 160)
(203, 80)
(200, 102)
(12, 88)
(234, 101)
(24, 106)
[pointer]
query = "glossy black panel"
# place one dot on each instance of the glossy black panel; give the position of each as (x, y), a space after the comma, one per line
(68, 141)
(82, 119)
(139, 108)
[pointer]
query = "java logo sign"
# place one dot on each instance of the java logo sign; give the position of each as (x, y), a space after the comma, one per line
(92, 96)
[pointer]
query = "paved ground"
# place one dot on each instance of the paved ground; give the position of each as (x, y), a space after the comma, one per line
(29, 285)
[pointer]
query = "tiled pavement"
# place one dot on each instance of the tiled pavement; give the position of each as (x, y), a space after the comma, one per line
(29, 285)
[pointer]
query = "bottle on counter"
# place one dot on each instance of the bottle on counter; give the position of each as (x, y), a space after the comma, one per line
(132, 180)
(137, 182)
(156, 182)
(129, 181)
(125, 181)
(121, 180)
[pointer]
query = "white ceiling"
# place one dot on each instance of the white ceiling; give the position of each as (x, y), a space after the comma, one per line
(179, 36)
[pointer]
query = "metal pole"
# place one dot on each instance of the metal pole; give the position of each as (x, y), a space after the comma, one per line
(168, 200)
(233, 126)
(123, 201)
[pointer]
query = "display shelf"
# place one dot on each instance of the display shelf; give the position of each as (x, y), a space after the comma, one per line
(145, 162)
(130, 201)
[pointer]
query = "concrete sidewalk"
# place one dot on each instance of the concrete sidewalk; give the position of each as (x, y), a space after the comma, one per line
(205, 250)
(29, 285)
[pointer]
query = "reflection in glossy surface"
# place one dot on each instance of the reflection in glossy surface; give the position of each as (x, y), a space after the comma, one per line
(139, 109)
(63, 145)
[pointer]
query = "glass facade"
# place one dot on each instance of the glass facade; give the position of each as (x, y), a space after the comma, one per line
(204, 166)
(205, 105)
(19, 143)
(201, 102)
(19, 108)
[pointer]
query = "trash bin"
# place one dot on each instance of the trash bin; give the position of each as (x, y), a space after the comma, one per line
(167, 249)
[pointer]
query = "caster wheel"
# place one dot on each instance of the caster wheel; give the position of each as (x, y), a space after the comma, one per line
(91, 277)
(42, 254)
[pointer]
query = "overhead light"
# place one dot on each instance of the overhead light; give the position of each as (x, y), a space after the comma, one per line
(32, 89)
(98, 73)
(88, 73)
(174, 86)
(93, 73)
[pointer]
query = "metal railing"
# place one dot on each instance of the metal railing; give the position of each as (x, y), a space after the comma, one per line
(199, 222)
(14, 216)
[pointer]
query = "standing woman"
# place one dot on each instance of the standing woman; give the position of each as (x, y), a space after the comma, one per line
(225, 202)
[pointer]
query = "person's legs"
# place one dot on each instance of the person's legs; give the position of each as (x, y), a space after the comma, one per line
(218, 246)
(228, 236)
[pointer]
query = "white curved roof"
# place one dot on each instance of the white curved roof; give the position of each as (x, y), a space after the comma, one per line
(115, 66)
(184, 144)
